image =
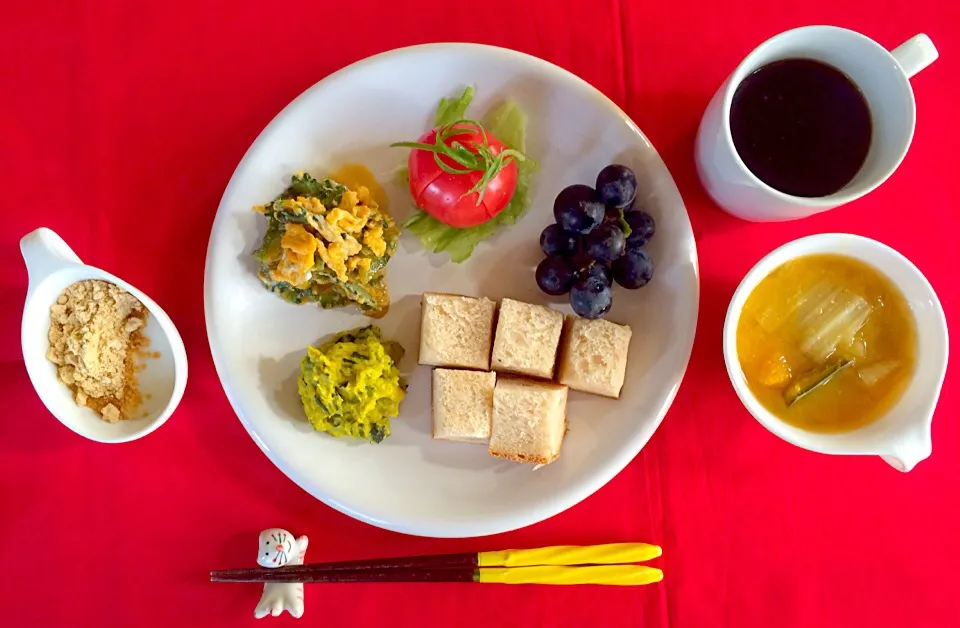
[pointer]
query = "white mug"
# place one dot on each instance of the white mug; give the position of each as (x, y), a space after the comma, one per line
(883, 78)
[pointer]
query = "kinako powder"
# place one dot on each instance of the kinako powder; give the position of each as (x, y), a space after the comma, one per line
(96, 335)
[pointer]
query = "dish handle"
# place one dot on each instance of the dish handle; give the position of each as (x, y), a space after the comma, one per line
(915, 54)
(44, 252)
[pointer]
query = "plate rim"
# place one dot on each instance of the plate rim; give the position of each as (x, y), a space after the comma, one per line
(486, 527)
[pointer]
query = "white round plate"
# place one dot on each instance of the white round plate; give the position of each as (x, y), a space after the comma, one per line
(411, 483)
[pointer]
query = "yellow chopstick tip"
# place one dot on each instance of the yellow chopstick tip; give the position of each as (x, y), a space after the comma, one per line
(608, 554)
(611, 575)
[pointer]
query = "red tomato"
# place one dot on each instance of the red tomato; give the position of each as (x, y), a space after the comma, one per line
(444, 195)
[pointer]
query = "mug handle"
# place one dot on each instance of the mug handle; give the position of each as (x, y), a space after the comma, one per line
(915, 54)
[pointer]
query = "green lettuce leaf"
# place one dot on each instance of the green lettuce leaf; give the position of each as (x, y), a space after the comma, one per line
(508, 123)
(450, 110)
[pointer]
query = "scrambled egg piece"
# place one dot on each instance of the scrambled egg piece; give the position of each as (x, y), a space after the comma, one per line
(296, 259)
(328, 244)
(359, 265)
(351, 386)
(347, 221)
(373, 238)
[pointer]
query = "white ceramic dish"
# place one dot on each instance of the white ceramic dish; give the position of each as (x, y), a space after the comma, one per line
(902, 435)
(52, 266)
(410, 483)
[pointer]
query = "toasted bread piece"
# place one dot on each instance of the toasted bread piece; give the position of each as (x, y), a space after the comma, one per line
(526, 339)
(456, 331)
(593, 356)
(529, 420)
(462, 405)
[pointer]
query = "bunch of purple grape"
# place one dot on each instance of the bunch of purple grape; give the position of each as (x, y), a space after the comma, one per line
(597, 239)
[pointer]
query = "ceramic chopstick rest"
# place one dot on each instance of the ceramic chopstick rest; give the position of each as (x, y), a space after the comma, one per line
(277, 549)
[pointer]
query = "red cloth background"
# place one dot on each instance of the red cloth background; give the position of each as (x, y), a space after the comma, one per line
(121, 124)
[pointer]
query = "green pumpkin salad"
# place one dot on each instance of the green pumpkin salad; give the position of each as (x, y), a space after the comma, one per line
(351, 384)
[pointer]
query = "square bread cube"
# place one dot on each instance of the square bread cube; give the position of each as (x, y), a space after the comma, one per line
(462, 405)
(526, 339)
(529, 420)
(456, 331)
(593, 356)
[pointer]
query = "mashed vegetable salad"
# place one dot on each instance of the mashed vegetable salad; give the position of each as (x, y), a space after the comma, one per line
(351, 385)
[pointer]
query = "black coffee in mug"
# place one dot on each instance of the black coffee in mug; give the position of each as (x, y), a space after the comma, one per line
(801, 126)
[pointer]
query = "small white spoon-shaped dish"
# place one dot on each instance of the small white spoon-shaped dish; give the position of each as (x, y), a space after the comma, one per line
(52, 266)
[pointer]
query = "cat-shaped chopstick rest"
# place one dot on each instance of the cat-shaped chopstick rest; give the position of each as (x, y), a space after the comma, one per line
(278, 548)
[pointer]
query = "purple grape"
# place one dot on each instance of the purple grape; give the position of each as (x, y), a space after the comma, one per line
(633, 270)
(556, 241)
(605, 243)
(590, 297)
(642, 228)
(617, 185)
(577, 209)
(597, 269)
(555, 275)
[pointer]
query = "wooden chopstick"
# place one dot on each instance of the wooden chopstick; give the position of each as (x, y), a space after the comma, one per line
(465, 567)
(617, 575)
(434, 563)
(368, 574)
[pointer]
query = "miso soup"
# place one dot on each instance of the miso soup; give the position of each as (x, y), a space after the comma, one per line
(827, 343)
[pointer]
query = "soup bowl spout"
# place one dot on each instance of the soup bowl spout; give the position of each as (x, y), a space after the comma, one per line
(901, 436)
(912, 446)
